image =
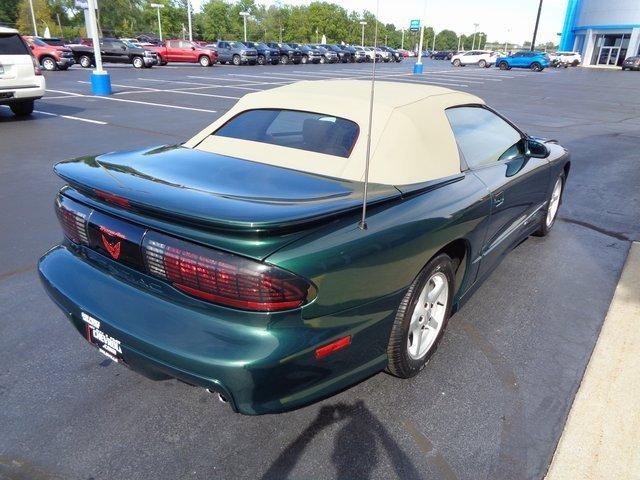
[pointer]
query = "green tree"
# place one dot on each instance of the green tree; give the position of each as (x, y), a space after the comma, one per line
(8, 12)
(42, 13)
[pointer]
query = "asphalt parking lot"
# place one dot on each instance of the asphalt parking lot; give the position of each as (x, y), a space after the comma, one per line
(492, 402)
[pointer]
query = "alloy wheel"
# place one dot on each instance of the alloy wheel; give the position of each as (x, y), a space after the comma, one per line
(49, 64)
(554, 203)
(428, 316)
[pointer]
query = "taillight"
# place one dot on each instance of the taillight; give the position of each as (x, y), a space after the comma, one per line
(36, 67)
(223, 278)
(73, 218)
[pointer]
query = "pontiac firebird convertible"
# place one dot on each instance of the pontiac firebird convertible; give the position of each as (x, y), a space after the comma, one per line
(237, 261)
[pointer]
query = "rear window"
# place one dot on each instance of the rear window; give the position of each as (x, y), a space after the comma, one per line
(314, 132)
(12, 44)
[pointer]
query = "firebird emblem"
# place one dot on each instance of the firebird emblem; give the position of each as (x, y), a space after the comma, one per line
(114, 250)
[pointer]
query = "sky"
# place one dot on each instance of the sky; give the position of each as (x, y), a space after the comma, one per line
(502, 20)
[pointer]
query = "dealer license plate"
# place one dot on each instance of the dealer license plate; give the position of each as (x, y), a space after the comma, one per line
(106, 344)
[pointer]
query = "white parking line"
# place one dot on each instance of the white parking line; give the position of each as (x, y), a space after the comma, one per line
(245, 82)
(169, 91)
(68, 117)
(178, 107)
(201, 86)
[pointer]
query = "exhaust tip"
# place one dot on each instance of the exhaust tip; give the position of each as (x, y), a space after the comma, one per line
(221, 397)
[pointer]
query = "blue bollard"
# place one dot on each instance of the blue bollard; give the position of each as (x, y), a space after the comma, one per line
(417, 68)
(101, 84)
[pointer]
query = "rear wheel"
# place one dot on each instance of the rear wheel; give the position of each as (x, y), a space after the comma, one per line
(536, 67)
(49, 64)
(261, 60)
(284, 59)
(22, 109)
(305, 59)
(138, 62)
(85, 61)
(457, 63)
(503, 66)
(552, 208)
(421, 318)
(236, 60)
(323, 60)
(204, 61)
(482, 63)
(575, 63)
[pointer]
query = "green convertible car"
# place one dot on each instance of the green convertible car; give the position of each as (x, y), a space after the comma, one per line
(238, 261)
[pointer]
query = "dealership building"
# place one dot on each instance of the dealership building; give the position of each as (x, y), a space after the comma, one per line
(605, 32)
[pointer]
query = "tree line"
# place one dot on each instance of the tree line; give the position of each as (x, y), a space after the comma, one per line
(221, 19)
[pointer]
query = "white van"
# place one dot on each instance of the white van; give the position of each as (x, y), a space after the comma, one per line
(21, 81)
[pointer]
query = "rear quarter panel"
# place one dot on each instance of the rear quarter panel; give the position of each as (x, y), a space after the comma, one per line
(352, 267)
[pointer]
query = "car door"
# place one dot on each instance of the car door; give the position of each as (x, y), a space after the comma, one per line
(469, 58)
(224, 52)
(108, 52)
(120, 53)
(496, 152)
(188, 51)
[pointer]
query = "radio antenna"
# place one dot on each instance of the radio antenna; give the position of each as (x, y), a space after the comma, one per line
(363, 220)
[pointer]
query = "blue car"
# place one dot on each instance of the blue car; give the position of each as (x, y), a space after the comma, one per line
(536, 61)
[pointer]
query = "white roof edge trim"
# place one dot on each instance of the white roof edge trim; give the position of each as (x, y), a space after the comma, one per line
(412, 141)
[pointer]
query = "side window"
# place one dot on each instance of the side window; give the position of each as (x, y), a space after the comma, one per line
(173, 44)
(482, 136)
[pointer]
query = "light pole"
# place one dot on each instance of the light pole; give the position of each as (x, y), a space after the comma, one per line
(100, 80)
(417, 67)
(459, 39)
(535, 29)
(189, 19)
(480, 41)
(158, 6)
(281, 30)
(475, 29)
(506, 44)
(244, 16)
(363, 23)
(402, 41)
(33, 18)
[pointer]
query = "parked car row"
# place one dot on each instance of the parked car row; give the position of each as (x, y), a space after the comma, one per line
(143, 54)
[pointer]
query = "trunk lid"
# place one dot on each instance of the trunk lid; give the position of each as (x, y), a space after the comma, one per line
(198, 188)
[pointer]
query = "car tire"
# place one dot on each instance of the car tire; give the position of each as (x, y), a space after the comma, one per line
(482, 64)
(575, 63)
(553, 205)
(85, 61)
(504, 66)
(22, 109)
(137, 62)
(204, 61)
(457, 62)
(49, 64)
(323, 60)
(284, 59)
(236, 60)
(305, 59)
(414, 325)
(261, 60)
(535, 67)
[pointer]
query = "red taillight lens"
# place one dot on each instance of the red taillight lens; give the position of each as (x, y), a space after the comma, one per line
(223, 278)
(73, 218)
(36, 66)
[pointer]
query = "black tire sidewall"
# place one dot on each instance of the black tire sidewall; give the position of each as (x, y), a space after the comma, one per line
(400, 363)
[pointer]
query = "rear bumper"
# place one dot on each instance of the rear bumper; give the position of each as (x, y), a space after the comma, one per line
(263, 363)
(34, 90)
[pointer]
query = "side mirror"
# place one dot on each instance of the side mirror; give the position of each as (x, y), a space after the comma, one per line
(123, 48)
(193, 48)
(33, 47)
(536, 149)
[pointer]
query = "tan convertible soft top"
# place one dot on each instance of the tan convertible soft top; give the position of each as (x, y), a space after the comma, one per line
(411, 138)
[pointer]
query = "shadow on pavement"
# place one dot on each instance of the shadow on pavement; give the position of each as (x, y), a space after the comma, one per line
(357, 446)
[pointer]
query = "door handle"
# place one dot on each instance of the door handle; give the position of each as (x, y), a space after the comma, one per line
(498, 199)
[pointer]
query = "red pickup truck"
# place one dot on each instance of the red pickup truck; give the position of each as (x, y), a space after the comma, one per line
(48, 56)
(184, 51)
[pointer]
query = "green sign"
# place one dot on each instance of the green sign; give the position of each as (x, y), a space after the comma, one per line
(414, 26)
